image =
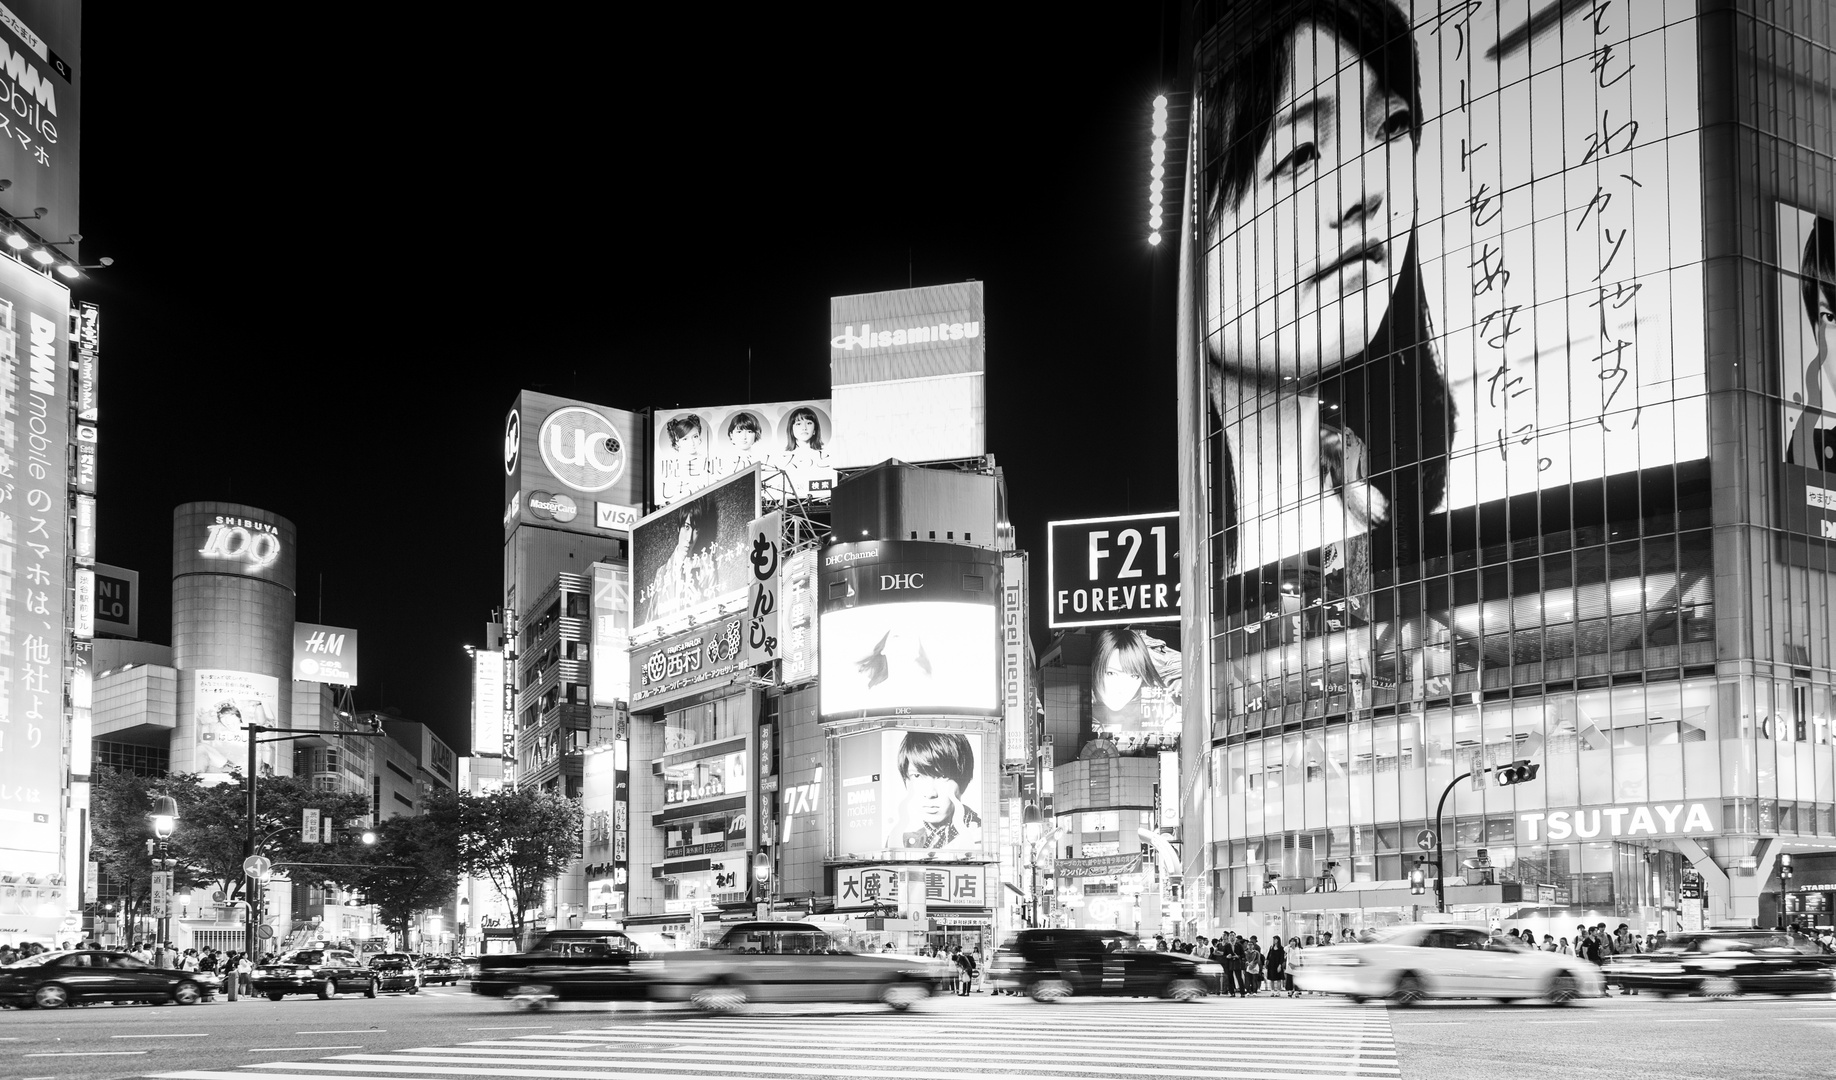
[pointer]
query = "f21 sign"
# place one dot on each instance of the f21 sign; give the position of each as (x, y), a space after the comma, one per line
(1114, 570)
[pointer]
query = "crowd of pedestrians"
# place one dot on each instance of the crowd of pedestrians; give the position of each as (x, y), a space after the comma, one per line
(1249, 968)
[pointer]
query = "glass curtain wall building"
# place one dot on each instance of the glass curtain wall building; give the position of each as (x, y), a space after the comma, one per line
(1503, 402)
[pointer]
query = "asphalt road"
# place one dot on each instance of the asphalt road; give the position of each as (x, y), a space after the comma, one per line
(450, 1034)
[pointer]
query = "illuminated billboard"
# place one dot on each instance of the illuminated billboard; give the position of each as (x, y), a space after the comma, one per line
(1135, 680)
(1112, 571)
(40, 82)
(571, 465)
(230, 538)
(1807, 304)
(326, 654)
(909, 627)
(798, 621)
(693, 557)
(487, 702)
(227, 703)
(611, 644)
(34, 342)
(1450, 268)
(906, 371)
(791, 441)
(684, 664)
(912, 790)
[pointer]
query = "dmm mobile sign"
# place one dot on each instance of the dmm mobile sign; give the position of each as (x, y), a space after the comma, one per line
(34, 327)
(326, 654)
(909, 627)
(1113, 570)
(40, 87)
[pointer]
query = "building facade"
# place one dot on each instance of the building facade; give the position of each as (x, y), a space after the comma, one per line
(1501, 436)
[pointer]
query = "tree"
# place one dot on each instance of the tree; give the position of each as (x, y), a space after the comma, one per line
(213, 820)
(412, 866)
(119, 830)
(517, 839)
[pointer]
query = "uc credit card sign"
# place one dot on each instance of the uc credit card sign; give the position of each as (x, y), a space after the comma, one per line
(1112, 571)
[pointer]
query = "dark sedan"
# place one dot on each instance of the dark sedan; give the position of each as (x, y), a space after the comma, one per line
(1725, 963)
(395, 975)
(571, 965)
(324, 972)
(1048, 964)
(51, 980)
(442, 971)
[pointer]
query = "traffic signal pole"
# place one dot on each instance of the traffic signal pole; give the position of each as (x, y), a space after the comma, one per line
(1440, 809)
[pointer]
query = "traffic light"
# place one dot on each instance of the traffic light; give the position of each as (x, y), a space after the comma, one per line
(1515, 773)
(1418, 879)
(1785, 866)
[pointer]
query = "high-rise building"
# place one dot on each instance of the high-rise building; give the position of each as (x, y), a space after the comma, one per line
(1504, 430)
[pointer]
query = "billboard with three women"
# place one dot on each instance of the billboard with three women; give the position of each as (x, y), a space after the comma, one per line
(790, 441)
(1446, 278)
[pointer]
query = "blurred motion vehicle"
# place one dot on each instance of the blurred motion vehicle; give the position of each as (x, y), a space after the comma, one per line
(325, 972)
(1726, 963)
(392, 973)
(570, 965)
(401, 961)
(468, 966)
(794, 962)
(52, 980)
(442, 971)
(1407, 964)
(1052, 963)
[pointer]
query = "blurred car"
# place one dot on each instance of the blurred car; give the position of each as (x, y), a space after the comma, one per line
(393, 974)
(410, 961)
(570, 965)
(51, 980)
(442, 971)
(1724, 963)
(794, 962)
(1407, 964)
(1052, 963)
(325, 972)
(469, 964)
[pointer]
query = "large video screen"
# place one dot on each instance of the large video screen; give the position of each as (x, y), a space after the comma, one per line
(911, 790)
(692, 557)
(791, 441)
(1452, 254)
(1807, 305)
(1135, 680)
(909, 627)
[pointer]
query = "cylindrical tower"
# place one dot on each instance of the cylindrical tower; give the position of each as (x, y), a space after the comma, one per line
(232, 632)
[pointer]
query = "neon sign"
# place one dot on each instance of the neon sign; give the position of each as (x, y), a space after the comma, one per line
(247, 541)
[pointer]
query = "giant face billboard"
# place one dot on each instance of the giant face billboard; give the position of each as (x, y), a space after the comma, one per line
(1807, 306)
(909, 627)
(40, 73)
(571, 465)
(906, 368)
(693, 557)
(911, 790)
(791, 441)
(1449, 263)
(228, 702)
(1135, 681)
(34, 399)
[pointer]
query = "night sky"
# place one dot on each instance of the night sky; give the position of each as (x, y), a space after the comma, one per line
(343, 242)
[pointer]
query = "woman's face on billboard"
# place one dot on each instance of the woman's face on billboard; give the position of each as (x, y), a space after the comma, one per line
(1117, 686)
(1306, 258)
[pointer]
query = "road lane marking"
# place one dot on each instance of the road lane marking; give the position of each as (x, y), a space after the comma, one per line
(89, 1053)
(341, 1031)
(1690, 1020)
(1561, 1021)
(275, 1049)
(187, 1035)
(519, 1027)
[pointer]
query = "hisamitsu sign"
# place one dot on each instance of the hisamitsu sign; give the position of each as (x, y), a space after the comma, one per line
(1608, 822)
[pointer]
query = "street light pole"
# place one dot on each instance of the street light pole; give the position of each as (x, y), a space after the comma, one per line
(1440, 886)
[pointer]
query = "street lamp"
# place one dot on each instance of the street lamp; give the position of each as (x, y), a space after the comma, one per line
(762, 873)
(165, 818)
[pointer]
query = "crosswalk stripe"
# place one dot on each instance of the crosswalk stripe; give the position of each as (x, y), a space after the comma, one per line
(1286, 1040)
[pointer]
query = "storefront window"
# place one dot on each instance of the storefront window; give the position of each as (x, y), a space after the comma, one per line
(1696, 730)
(1593, 719)
(1631, 728)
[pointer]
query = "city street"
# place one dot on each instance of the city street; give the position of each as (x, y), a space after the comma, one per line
(451, 1033)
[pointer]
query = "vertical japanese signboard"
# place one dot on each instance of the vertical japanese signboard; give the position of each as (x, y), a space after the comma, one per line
(798, 624)
(611, 634)
(1013, 658)
(763, 642)
(34, 328)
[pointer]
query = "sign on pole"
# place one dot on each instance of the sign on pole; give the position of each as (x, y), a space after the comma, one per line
(309, 826)
(161, 894)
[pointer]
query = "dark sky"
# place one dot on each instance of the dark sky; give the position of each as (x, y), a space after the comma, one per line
(343, 242)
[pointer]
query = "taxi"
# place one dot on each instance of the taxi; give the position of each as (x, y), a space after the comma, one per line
(777, 962)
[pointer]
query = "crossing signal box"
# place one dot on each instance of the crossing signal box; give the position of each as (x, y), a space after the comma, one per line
(1515, 773)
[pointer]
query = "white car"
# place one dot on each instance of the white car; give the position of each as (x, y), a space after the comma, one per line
(1408, 964)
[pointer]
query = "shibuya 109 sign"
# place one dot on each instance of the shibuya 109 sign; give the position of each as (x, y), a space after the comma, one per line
(1607, 822)
(687, 663)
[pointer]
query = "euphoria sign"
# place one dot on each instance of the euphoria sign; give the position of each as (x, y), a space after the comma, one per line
(686, 663)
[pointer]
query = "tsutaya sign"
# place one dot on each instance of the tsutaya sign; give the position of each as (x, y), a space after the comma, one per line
(1605, 822)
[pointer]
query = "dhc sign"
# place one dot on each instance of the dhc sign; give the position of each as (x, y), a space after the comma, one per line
(1606, 822)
